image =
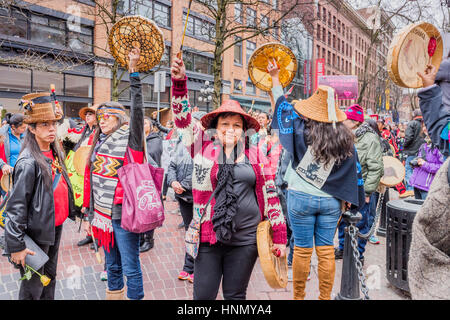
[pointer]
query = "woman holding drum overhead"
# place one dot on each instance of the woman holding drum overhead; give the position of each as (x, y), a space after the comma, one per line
(117, 141)
(232, 193)
(322, 176)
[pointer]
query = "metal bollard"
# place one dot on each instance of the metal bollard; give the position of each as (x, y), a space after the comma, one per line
(383, 217)
(349, 281)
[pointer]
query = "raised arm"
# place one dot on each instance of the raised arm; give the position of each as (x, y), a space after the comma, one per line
(435, 114)
(192, 133)
(136, 141)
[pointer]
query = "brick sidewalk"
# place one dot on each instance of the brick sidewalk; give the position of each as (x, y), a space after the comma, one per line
(79, 271)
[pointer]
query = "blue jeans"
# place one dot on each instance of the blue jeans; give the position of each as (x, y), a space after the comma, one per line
(313, 219)
(420, 194)
(368, 216)
(123, 259)
(408, 173)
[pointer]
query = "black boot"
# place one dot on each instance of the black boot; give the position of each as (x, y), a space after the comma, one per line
(85, 241)
(147, 245)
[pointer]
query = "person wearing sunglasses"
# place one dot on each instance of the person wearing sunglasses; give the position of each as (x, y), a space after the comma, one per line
(118, 141)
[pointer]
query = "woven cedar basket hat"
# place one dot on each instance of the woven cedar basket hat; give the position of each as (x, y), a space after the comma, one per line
(321, 106)
(136, 31)
(230, 106)
(39, 108)
(85, 110)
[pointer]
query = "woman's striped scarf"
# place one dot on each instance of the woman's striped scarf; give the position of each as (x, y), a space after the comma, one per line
(109, 157)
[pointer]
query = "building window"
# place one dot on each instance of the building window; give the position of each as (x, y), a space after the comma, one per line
(80, 39)
(200, 28)
(251, 17)
(250, 48)
(237, 85)
(42, 81)
(318, 34)
(238, 12)
(158, 12)
(53, 32)
(50, 31)
(275, 4)
(165, 60)
(264, 23)
(78, 86)
(238, 51)
(14, 24)
(15, 79)
(198, 63)
(250, 88)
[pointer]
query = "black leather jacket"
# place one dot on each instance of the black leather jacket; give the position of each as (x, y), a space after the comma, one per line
(30, 209)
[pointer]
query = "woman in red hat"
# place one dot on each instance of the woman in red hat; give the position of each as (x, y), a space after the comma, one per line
(232, 193)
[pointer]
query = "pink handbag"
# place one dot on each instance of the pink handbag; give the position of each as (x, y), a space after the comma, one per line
(142, 207)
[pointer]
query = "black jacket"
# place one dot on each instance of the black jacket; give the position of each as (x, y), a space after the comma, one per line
(154, 147)
(413, 138)
(30, 209)
(180, 169)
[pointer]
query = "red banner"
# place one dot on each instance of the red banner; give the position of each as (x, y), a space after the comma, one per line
(320, 71)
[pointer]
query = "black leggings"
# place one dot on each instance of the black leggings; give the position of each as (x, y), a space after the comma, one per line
(187, 211)
(233, 265)
(33, 289)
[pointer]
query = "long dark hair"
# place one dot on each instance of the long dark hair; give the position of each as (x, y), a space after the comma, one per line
(327, 143)
(31, 144)
(373, 124)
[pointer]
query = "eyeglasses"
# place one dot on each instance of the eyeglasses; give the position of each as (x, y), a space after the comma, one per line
(104, 116)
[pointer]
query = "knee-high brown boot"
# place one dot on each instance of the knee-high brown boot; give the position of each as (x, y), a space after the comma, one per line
(300, 270)
(326, 269)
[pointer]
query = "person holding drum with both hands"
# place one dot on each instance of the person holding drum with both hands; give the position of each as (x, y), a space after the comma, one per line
(322, 177)
(232, 194)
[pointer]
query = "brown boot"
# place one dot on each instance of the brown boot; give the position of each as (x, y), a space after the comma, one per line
(300, 270)
(115, 294)
(326, 269)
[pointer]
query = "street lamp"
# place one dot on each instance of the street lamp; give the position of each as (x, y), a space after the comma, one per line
(206, 94)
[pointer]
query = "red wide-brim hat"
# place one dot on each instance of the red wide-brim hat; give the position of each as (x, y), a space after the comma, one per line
(230, 106)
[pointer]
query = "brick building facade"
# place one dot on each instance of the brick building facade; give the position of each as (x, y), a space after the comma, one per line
(44, 27)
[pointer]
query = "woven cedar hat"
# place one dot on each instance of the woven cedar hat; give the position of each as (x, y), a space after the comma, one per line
(39, 108)
(136, 31)
(230, 106)
(321, 106)
(85, 110)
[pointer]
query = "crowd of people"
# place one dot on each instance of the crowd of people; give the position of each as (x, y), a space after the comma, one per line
(299, 166)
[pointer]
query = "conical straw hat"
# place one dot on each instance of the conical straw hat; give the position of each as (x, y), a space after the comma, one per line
(316, 106)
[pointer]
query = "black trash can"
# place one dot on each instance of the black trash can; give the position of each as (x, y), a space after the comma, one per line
(400, 216)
